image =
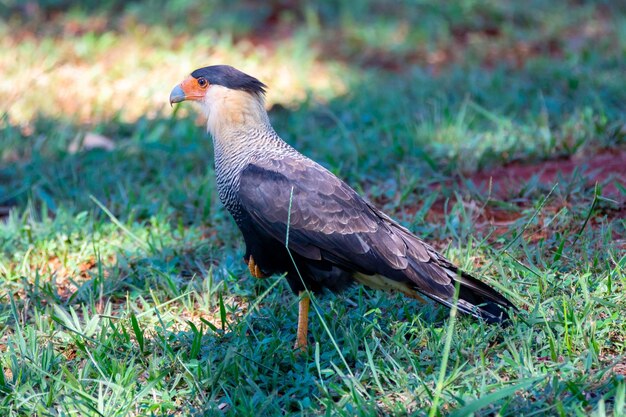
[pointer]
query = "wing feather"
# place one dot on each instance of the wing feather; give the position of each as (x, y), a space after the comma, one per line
(330, 221)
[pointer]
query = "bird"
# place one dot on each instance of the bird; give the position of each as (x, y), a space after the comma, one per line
(299, 219)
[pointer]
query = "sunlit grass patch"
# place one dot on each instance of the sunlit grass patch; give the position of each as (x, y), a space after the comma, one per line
(90, 77)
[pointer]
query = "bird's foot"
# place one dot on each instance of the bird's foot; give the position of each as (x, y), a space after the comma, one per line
(255, 271)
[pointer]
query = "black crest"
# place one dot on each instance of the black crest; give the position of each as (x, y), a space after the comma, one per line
(230, 77)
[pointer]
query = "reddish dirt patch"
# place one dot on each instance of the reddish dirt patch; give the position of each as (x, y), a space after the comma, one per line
(65, 278)
(607, 167)
(504, 183)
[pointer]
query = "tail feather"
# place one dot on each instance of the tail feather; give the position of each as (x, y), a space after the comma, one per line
(438, 279)
(483, 301)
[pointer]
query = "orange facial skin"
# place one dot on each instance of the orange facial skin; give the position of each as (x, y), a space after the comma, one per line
(191, 88)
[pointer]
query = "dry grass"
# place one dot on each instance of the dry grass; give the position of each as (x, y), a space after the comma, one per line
(87, 77)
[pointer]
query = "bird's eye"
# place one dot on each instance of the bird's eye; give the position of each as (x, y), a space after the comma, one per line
(202, 82)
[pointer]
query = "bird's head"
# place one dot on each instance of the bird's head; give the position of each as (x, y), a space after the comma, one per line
(228, 97)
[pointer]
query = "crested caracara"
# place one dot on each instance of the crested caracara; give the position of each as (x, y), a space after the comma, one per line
(335, 237)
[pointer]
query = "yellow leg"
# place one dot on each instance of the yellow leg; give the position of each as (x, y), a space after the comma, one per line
(254, 268)
(303, 322)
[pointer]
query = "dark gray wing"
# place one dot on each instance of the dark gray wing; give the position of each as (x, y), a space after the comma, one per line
(329, 220)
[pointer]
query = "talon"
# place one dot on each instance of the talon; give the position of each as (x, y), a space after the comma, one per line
(255, 271)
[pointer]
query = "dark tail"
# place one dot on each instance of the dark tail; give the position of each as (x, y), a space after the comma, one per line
(480, 300)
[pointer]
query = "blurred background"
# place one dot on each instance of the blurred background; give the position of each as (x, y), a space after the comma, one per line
(87, 61)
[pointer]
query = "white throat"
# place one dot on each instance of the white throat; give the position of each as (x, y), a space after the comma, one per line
(228, 111)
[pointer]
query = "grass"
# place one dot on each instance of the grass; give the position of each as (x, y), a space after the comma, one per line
(123, 290)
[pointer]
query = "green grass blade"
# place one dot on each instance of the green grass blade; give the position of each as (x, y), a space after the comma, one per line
(487, 400)
(137, 331)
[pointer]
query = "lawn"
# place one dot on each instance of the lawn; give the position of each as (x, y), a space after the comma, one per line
(495, 130)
